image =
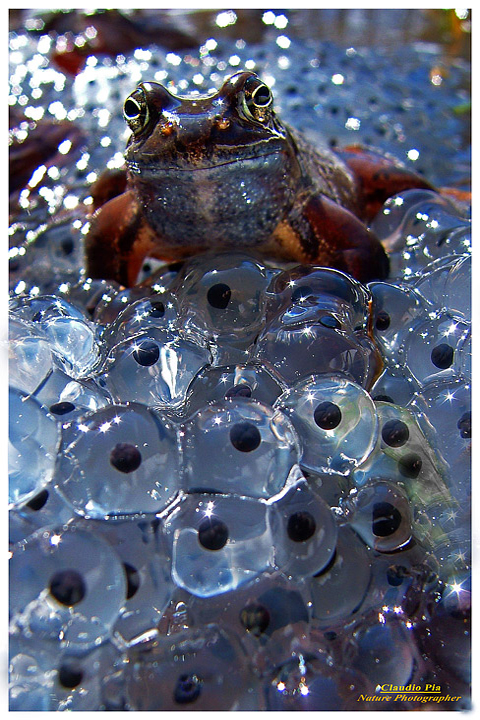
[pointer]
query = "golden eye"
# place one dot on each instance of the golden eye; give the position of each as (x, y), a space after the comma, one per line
(262, 96)
(257, 99)
(135, 111)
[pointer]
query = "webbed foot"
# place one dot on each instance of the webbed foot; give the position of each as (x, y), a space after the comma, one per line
(322, 232)
(118, 241)
(378, 177)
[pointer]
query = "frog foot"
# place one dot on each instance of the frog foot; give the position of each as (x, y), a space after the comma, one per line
(322, 232)
(378, 177)
(118, 241)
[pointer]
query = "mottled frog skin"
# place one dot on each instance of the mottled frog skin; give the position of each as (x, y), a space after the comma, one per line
(221, 172)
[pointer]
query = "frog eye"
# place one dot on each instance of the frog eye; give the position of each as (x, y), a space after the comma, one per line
(135, 111)
(258, 98)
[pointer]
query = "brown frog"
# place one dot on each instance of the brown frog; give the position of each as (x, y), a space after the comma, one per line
(222, 172)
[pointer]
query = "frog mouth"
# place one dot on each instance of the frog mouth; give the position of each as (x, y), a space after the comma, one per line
(193, 163)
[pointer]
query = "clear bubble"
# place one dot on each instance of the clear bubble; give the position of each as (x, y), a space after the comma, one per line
(75, 589)
(335, 420)
(200, 669)
(218, 542)
(154, 368)
(119, 460)
(304, 531)
(33, 442)
(240, 446)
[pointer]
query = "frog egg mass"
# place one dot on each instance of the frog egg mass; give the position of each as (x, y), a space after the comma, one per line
(239, 374)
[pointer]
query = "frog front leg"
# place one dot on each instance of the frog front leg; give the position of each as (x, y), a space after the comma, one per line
(319, 231)
(378, 177)
(118, 241)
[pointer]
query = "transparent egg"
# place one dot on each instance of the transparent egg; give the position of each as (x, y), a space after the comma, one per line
(430, 348)
(385, 651)
(381, 514)
(294, 352)
(33, 442)
(340, 588)
(42, 677)
(67, 398)
(42, 308)
(218, 542)
(447, 407)
(29, 356)
(68, 584)
(309, 294)
(240, 446)
(446, 637)
(425, 224)
(46, 507)
(335, 420)
(396, 385)
(155, 368)
(226, 304)
(140, 316)
(199, 669)
(388, 223)
(458, 288)
(70, 335)
(404, 454)
(304, 531)
(309, 682)
(250, 380)
(120, 460)
(396, 310)
(141, 549)
(430, 281)
(255, 612)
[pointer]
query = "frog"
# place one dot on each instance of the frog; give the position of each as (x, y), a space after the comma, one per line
(222, 172)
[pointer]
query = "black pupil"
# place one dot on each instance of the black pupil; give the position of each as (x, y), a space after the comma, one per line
(386, 519)
(383, 321)
(442, 356)
(301, 526)
(410, 466)
(212, 533)
(67, 587)
(395, 433)
(133, 579)
(396, 575)
(125, 457)
(62, 408)
(240, 390)
(384, 398)
(187, 689)
(158, 310)
(69, 675)
(465, 425)
(218, 296)
(245, 437)
(261, 96)
(131, 108)
(38, 501)
(146, 353)
(327, 415)
(255, 618)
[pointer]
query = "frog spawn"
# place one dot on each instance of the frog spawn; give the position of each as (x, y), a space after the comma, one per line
(253, 497)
